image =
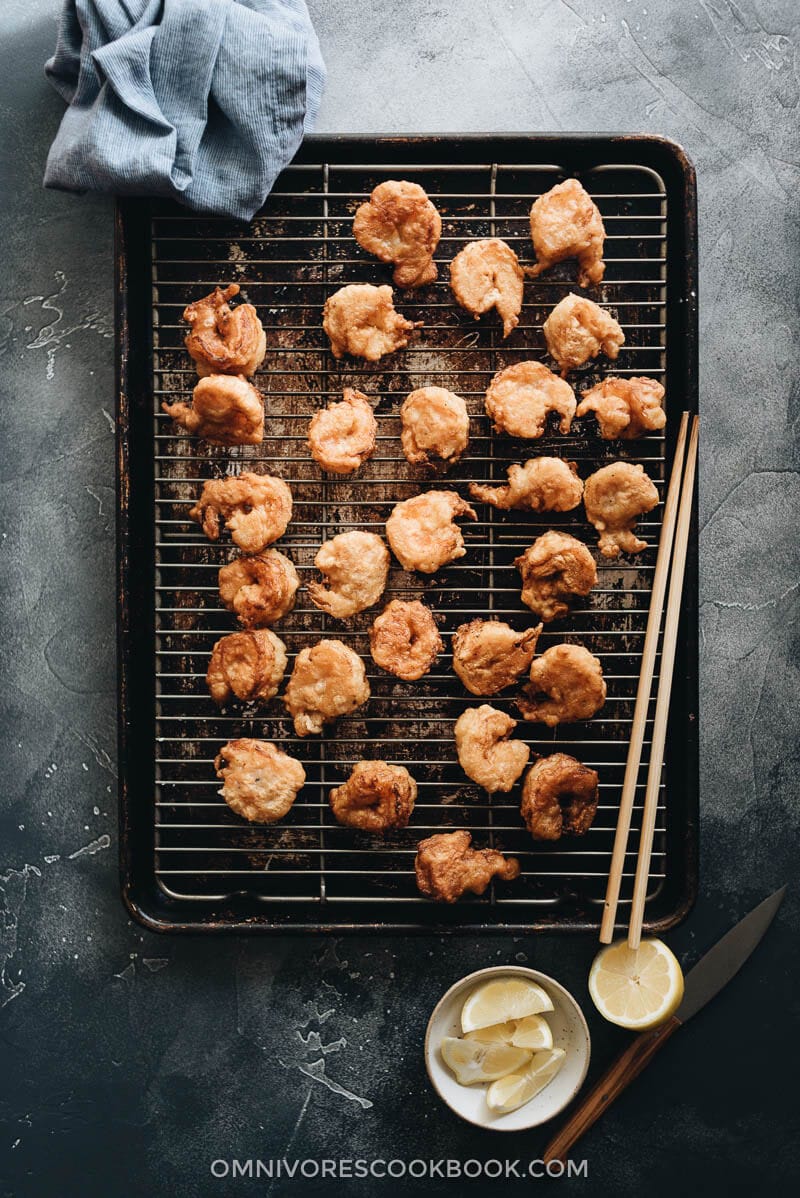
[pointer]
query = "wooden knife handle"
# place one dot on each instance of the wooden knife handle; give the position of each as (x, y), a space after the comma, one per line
(628, 1065)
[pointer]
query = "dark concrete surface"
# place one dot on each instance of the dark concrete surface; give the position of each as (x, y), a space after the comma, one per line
(131, 1062)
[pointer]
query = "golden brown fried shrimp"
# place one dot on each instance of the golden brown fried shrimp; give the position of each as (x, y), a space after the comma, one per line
(246, 665)
(255, 508)
(578, 329)
(341, 437)
(225, 410)
(615, 497)
(260, 588)
(487, 274)
(555, 567)
(399, 224)
(566, 223)
(489, 655)
(377, 796)
(539, 485)
(566, 686)
(404, 639)
(355, 566)
(260, 782)
(361, 320)
(435, 426)
(224, 340)
(485, 753)
(559, 796)
(328, 681)
(422, 533)
(625, 408)
(446, 866)
(520, 398)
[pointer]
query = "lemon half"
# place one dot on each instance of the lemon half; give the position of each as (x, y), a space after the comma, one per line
(501, 1000)
(636, 988)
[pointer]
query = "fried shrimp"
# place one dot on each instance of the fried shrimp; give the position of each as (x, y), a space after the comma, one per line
(554, 568)
(259, 588)
(260, 782)
(377, 796)
(355, 566)
(487, 274)
(485, 753)
(566, 223)
(566, 686)
(615, 497)
(255, 508)
(625, 408)
(404, 639)
(489, 655)
(399, 224)
(361, 321)
(521, 397)
(559, 796)
(539, 485)
(224, 340)
(578, 329)
(341, 437)
(247, 666)
(328, 681)
(225, 410)
(446, 866)
(435, 426)
(422, 532)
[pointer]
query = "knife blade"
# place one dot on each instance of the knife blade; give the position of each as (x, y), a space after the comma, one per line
(710, 975)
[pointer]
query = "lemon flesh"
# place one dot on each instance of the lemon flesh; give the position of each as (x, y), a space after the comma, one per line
(501, 1000)
(515, 1089)
(533, 1031)
(636, 988)
(473, 1063)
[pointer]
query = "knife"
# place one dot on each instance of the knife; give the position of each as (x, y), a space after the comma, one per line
(711, 973)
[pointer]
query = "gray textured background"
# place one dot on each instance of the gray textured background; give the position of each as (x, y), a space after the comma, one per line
(129, 1062)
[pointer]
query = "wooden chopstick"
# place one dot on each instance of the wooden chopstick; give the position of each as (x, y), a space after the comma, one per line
(645, 687)
(661, 717)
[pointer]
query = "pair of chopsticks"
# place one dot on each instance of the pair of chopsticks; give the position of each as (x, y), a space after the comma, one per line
(670, 565)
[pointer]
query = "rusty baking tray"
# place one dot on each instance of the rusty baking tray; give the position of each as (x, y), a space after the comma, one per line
(187, 862)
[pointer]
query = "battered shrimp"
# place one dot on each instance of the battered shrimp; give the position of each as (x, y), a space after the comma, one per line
(355, 566)
(559, 795)
(341, 437)
(625, 408)
(487, 274)
(520, 398)
(361, 320)
(255, 508)
(422, 533)
(377, 796)
(489, 655)
(260, 782)
(578, 329)
(404, 639)
(224, 340)
(566, 223)
(259, 588)
(615, 496)
(246, 665)
(566, 686)
(328, 681)
(539, 485)
(399, 224)
(485, 753)
(225, 410)
(435, 426)
(554, 568)
(446, 866)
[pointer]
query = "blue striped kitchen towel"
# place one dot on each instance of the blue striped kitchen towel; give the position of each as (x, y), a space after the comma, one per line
(202, 100)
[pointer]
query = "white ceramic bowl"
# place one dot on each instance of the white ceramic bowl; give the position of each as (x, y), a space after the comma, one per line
(569, 1032)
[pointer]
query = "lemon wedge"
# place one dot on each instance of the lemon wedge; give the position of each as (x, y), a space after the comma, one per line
(501, 1000)
(473, 1063)
(515, 1089)
(636, 988)
(531, 1032)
